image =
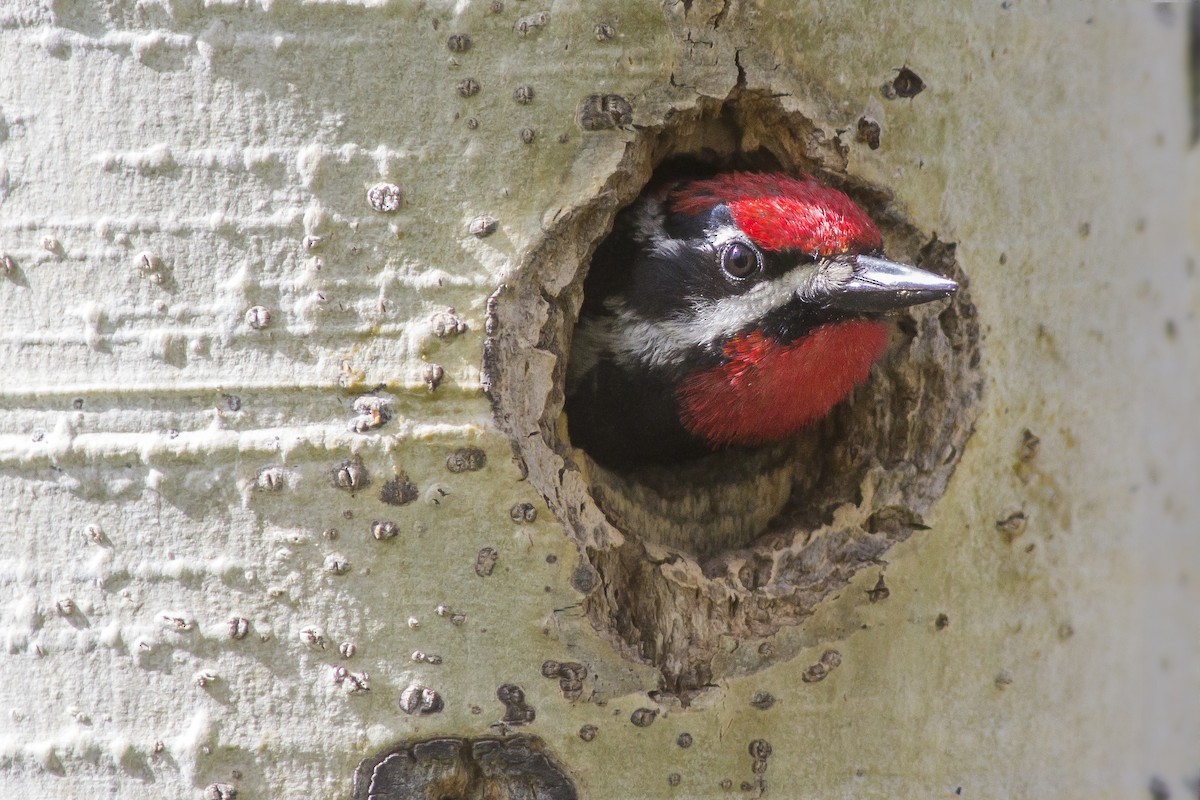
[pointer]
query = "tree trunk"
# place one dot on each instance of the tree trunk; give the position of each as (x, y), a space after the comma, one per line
(290, 510)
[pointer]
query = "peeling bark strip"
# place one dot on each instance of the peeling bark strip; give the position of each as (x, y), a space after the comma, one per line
(741, 543)
(471, 769)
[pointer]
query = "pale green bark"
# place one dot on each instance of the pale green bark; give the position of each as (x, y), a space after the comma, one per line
(138, 409)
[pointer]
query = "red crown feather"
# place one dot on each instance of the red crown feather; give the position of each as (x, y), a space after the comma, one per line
(779, 212)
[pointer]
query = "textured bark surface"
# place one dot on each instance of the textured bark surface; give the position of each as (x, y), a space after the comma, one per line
(262, 531)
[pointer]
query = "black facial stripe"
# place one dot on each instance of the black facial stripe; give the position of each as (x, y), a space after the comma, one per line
(666, 281)
(779, 262)
(686, 226)
(798, 319)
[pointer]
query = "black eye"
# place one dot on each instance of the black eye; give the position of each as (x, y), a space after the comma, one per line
(739, 260)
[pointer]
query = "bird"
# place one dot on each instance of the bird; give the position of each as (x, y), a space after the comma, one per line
(726, 311)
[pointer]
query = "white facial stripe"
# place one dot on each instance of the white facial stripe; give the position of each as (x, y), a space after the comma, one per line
(724, 235)
(633, 339)
(725, 317)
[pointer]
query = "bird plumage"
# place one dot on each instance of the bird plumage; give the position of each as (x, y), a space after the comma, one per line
(729, 311)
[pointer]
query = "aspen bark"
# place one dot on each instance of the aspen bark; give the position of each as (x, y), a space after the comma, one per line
(261, 527)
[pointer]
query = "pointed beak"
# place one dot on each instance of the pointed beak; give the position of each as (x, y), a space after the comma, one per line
(881, 285)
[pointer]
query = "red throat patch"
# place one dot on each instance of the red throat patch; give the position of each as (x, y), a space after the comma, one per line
(766, 390)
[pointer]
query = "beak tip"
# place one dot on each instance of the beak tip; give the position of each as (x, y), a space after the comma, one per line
(934, 291)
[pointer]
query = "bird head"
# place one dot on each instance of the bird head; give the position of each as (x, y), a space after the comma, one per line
(756, 298)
